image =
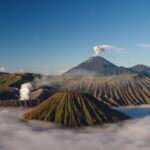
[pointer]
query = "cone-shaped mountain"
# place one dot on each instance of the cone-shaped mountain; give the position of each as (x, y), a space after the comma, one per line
(97, 66)
(72, 109)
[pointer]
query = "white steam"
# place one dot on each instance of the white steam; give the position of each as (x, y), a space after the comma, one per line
(25, 91)
(98, 49)
(46, 81)
(17, 135)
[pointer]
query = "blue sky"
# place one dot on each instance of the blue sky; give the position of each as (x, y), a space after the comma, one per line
(50, 36)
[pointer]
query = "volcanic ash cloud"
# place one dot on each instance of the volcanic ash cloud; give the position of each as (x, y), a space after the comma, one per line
(101, 48)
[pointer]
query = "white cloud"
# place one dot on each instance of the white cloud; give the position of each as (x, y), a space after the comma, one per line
(143, 45)
(17, 135)
(2, 69)
(22, 71)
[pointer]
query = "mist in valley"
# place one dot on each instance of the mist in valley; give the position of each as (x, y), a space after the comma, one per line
(21, 135)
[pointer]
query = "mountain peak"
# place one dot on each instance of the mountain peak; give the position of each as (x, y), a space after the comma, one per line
(94, 59)
(140, 67)
(95, 65)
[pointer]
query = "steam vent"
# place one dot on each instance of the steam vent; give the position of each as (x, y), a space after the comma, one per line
(70, 109)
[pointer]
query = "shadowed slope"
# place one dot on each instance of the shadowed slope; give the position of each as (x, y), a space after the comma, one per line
(142, 69)
(74, 109)
(139, 68)
(36, 97)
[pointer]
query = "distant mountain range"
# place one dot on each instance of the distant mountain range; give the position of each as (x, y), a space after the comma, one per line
(98, 66)
(95, 66)
(118, 86)
(142, 68)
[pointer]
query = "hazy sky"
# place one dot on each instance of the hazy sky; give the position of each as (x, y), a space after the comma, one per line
(51, 36)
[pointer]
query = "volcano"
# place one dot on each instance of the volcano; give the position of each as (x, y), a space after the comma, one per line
(71, 109)
(97, 66)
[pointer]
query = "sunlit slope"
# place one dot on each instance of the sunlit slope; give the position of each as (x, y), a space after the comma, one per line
(72, 109)
(15, 80)
(10, 83)
(120, 91)
(7, 80)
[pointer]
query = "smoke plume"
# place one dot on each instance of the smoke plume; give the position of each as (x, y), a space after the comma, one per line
(25, 91)
(98, 49)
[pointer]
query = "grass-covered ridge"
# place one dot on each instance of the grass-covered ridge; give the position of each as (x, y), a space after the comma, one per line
(7, 80)
(72, 109)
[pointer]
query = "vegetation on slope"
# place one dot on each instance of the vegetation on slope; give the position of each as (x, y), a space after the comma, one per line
(6, 91)
(9, 84)
(72, 109)
(7, 80)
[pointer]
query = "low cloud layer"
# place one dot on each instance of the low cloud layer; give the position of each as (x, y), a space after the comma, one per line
(17, 135)
(98, 49)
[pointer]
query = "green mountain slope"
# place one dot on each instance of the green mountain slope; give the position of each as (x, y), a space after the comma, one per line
(72, 109)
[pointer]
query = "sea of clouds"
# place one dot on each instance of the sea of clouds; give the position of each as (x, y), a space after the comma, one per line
(15, 134)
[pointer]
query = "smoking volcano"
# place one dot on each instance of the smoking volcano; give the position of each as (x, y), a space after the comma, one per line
(97, 66)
